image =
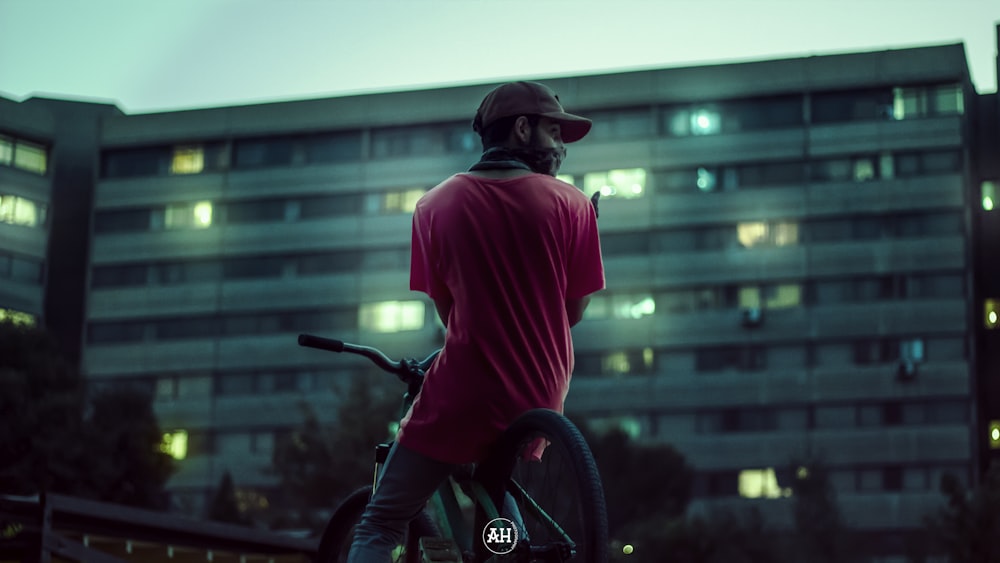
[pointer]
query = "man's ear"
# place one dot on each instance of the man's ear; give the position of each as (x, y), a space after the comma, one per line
(521, 130)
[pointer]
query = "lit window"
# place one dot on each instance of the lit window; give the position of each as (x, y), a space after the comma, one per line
(864, 170)
(17, 317)
(630, 425)
(761, 483)
(761, 233)
(994, 434)
(907, 102)
(188, 160)
(188, 216)
(912, 350)
(622, 362)
(625, 183)
(752, 233)
(6, 150)
(401, 201)
(19, 211)
(392, 316)
(620, 307)
(992, 310)
(633, 308)
(175, 444)
(749, 298)
(706, 180)
(989, 192)
(887, 165)
(705, 122)
(784, 296)
(30, 157)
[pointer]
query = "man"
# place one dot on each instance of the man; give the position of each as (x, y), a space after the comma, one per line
(509, 255)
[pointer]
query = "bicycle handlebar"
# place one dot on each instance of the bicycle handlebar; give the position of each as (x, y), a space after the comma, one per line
(402, 368)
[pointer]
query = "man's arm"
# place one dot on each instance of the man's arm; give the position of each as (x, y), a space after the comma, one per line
(575, 309)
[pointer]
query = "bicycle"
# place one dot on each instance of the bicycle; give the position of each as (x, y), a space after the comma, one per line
(551, 509)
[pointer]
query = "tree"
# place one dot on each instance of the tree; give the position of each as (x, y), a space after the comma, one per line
(820, 532)
(126, 463)
(319, 465)
(54, 439)
(646, 487)
(967, 527)
(722, 536)
(224, 507)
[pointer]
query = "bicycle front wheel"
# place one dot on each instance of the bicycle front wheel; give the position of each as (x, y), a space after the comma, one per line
(554, 494)
(339, 532)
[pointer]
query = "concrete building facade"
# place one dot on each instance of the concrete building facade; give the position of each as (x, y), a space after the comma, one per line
(793, 252)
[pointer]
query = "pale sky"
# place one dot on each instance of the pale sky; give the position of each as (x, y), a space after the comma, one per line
(157, 55)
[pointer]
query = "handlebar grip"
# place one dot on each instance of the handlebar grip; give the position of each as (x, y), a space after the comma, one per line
(321, 343)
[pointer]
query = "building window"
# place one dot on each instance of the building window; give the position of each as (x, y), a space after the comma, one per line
(16, 210)
(705, 121)
(332, 147)
(621, 124)
(623, 362)
(329, 263)
(855, 105)
(620, 306)
(423, 140)
(261, 211)
(399, 201)
(30, 156)
(722, 358)
(17, 317)
(260, 153)
(253, 268)
(624, 183)
(188, 215)
(392, 316)
(6, 150)
(989, 195)
(330, 206)
(761, 483)
(629, 425)
(753, 234)
(990, 314)
(771, 296)
(175, 444)
(920, 101)
(118, 276)
(128, 163)
(188, 160)
(623, 244)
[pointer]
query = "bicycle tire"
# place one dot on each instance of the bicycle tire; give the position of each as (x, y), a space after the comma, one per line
(338, 533)
(586, 522)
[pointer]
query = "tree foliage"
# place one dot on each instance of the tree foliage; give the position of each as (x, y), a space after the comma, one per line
(224, 506)
(646, 486)
(820, 532)
(53, 438)
(967, 528)
(320, 464)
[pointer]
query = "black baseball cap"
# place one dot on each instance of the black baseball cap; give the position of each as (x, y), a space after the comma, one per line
(529, 98)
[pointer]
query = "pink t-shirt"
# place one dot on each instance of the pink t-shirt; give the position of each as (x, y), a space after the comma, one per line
(508, 253)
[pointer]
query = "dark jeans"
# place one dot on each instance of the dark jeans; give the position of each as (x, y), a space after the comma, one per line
(408, 481)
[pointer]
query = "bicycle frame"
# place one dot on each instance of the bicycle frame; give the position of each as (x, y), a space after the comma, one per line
(444, 501)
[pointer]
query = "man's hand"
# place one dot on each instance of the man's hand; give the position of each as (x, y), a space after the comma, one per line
(593, 201)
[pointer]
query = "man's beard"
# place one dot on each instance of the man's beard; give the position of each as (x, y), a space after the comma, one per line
(543, 160)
